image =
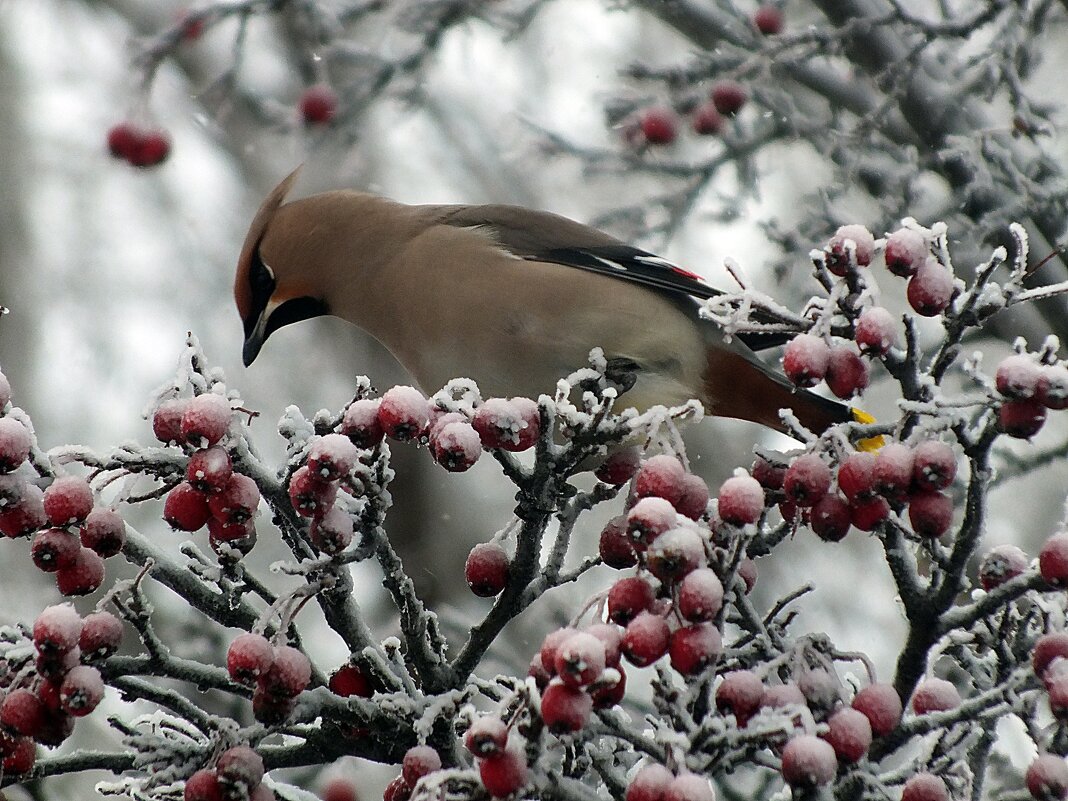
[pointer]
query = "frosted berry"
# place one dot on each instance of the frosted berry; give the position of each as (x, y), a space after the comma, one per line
(333, 532)
(807, 480)
(1021, 419)
(360, 423)
(81, 691)
(318, 104)
(675, 553)
(769, 475)
(659, 126)
(249, 657)
(882, 706)
(808, 761)
(934, 465)
(239, 767)
(930, 513)
(646, 639)
(1047, 648)
(19, 756)
(224, 532)
(619, 467)
(831, 518)
(610, 689)
(418, 761)
(741, 500)
(338, 789)
(905, 251)
(206, 419)
(25, 516)
(68, 499)
(498, 422)
(779, 696)
(14, 444)
(615, 547)
(209, 470)
(661, 476)
(768, 19)
(1017, 376)
(706, 120)
(54, 548)
(104, 532)
(849, 734)
(693, 648)
(650, 783)
(551, 644)
(893, 470)
(288, 675)
(627, 598)
(856, 475)
(931, 289)
(310, 496)
(740, 694)
(1052, 388)
(611, 638)
(186, 509)
(456, 446)
(728, 96)
(1047, 777)
(167, 421)
(689, 787)
(82, 576)
(403, 413)
(203, 786)
(580, 659)
(805, 360)
(565, 708)
(876, 331)
(855, 239)
(1053, 560)
(934, 695)
(693, 501)
(869, 514)
(101, 635)
(349, 680)
(332, 457)
(700, 595)
(22, 712)
(648, 519)
(237, 501)
(505, 773)
(486, 569)
(847, 373)
(1000, 564)
(821, 689)
(487, 736)
(747, 572)
(54, 666)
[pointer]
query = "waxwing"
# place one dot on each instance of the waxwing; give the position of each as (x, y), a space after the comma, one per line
(510, 297)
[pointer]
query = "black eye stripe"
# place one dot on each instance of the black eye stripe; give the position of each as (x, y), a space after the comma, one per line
(261, 281)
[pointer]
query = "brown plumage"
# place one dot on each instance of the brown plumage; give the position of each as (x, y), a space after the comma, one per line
(510, 297)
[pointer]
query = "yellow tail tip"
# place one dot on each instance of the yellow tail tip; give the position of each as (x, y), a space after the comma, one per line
(868, 443)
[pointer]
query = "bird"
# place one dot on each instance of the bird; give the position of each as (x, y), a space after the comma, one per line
(510, 297)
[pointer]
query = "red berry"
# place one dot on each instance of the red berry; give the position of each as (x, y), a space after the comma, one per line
(905, 251)
(249, 657)
(550, 645)
(81, 691)
(747, 572)
(505, 773)
(805, 360)
(203, 786)
(1053, 560)
(1047, 777)
(706, 120)
(700, 595)
(239, 767)
(693, 501)
(22, 712)
(934, 465)
(856, 475)
(349, 680)
(360, 423)
(209, 470)
(1052, 388)
(610, 689)
(564, 708)
(615, 547)
(611, 638)
(847, 373)
(167, 421)
(513, 425)
(831, 518)
(808, 761)
(487, 569)
(807, 480)
(648, 519)
(768, 475)
(689, 787)
(310, 496)
(205, 420)
(1021, 419)
(580, 659)
(186, 509)
(934, 695)
(1017, 377)
(104, 532)
(332, 457)
(14, 444)
(930, 513)
(931, 289)
(68, 499)
(619, 467)
(101, 635)
(403, 413)
(740, 694)
(54, 548)
(123, 140)
(1000, 564)
(26, 515)
(20, 756)
(271, 710)
(646, 639)
(339, 789)
(82, 576)
(455, 446)
(728, 96)
(694, 648)
(487, 736)
(675, 553)
(661, 476)
(741, 500)
(768, 20)
(650, 783)
(418, 761)
(318, 104)
(288, 675)
(869, 514)
(659, 126)
(152, 148)
(1047, 648)
(58, 726)
(779, 696)
(924, 787)
(627, 598)
(881, 704)
(876, 331)
(849, 734)
(237, 501)
(850, 244)
(333, 532)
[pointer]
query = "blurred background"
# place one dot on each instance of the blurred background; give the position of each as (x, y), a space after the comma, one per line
(935, 110)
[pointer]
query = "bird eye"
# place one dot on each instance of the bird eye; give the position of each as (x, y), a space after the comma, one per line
(261, 280)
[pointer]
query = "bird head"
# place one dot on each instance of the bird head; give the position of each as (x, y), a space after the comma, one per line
(272, 286)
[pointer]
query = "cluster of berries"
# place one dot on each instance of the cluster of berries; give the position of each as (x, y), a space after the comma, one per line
(279, 673)
(71, 537)
(40, 706)
(1029, 387)
(213, 494)
(238, 773)
(502, 763)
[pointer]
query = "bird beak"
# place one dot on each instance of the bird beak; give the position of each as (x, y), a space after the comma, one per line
(277, 313)
(256, 335)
